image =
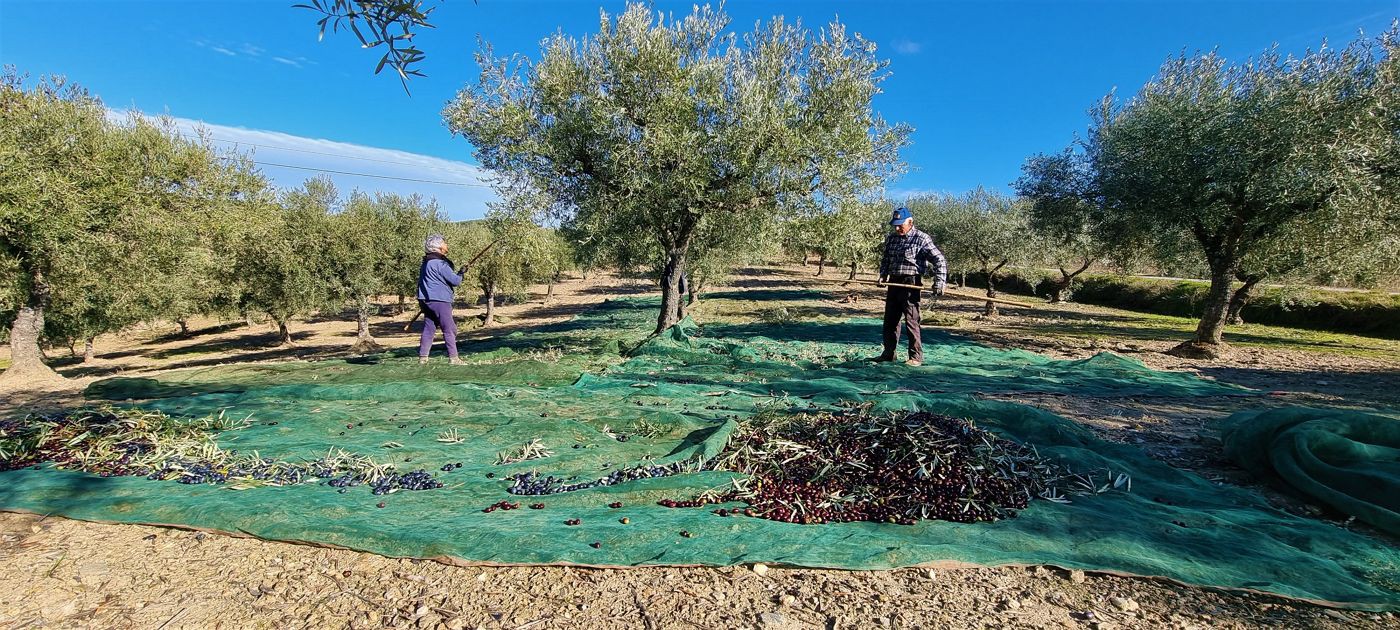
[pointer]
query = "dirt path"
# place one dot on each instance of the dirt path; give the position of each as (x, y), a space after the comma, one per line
(64, 573)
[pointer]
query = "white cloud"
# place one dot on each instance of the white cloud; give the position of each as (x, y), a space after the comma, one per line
(903, 194)
(462, 189)
(906, 46)
(287, 61)
(221, 49)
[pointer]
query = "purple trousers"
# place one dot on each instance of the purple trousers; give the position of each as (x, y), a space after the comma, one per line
(437, 315)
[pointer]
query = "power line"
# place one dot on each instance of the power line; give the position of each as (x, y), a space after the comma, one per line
(402, 179)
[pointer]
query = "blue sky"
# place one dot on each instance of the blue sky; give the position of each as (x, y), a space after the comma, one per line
(984, 84)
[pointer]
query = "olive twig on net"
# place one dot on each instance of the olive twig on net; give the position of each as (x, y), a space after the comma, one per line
(897, 468)
(112, 442)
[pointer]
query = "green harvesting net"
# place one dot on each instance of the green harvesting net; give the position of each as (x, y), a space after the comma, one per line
(565, 402)
(1346, 460)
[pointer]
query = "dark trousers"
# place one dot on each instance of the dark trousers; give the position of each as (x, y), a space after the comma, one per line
(437, 315)
(903, 303)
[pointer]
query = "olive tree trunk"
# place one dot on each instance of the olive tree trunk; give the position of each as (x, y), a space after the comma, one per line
(990, 310)
(284, 336)
(490, 291)
(1212, 326)
(26, 359)
(89, 354)
(672, 307)
(854, 267)
(821, 264)
(1240, 299)
(1208, 342)
(364, 342)
(549, 291)
(1058, 289)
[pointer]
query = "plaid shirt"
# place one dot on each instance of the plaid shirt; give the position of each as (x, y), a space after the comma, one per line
(910, 254)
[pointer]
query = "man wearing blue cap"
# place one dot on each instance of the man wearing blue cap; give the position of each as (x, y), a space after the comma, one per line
(907, 254)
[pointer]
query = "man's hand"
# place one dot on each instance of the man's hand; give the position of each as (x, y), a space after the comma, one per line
(463, 271)
(881, 282)
(938, 290)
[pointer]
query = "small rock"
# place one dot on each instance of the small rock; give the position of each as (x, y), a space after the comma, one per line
(456, 624)
(1336, 615)
(1076, 576)
(930, 574)
(1056, 598)
(1100, 625)
(882, 621)
(787, 600)
(481, 577)
(1010, 603)
(1124, 604)
(760, 569)
(372, 617)
(582, 607)
(421, 611)
(772, 618)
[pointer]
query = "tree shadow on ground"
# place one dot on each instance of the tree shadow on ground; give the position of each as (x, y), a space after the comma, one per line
(75, 490)
(622, 289)
(235, 344)
(765, 295)
(1379, 387)
(198, 332)
(859, 332)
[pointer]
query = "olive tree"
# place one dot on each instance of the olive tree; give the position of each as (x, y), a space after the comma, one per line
(1239, 155)
(94, 212)
(858, 233)
(557, 258)
(519, 256)
(408, 221)
(655, 124)
(1063, 214)
(281, 254)
(980, 230)
(360, 256)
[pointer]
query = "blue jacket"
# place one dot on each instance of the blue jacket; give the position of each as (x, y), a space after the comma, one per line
(437, 279)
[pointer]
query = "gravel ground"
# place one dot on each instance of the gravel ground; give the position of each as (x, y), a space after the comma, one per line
(60, 573)
(63, 573)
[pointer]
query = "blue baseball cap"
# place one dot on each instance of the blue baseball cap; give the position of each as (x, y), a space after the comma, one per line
(900, 216)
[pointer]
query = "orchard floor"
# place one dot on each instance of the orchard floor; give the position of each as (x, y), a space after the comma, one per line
(57, 572)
